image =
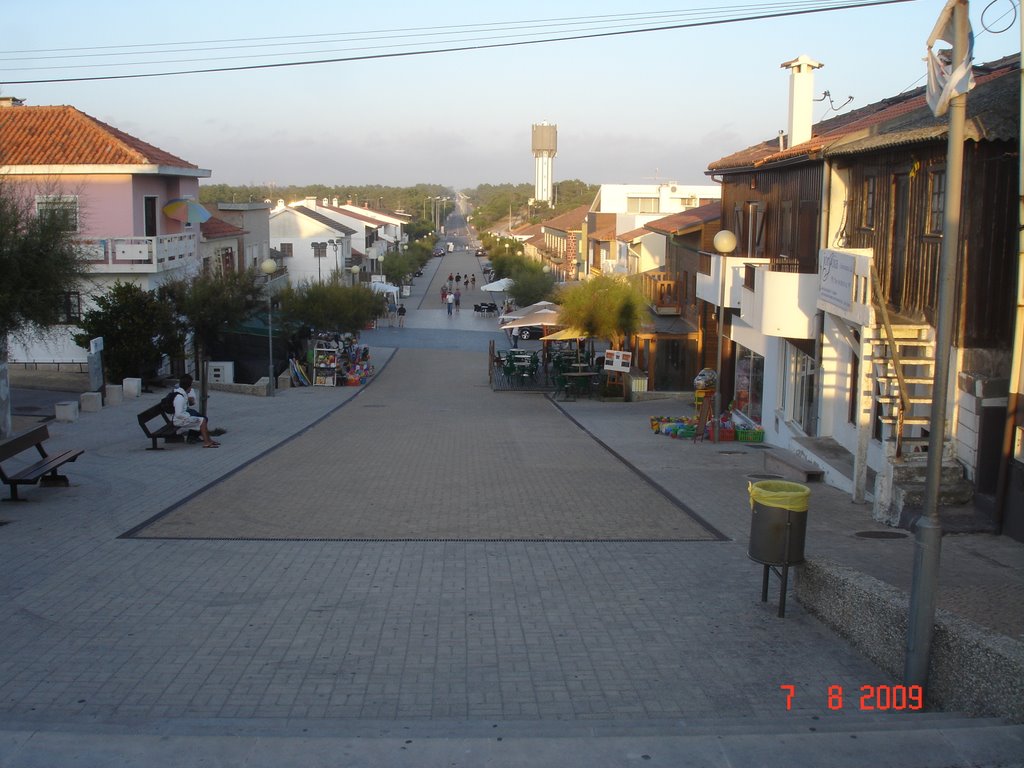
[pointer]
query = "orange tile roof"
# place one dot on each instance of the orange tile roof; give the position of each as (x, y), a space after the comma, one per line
(693, 217)
(214, 229)
(66, 136)
(527, 230)
(864, 120)
(570, 221)
(606, 234)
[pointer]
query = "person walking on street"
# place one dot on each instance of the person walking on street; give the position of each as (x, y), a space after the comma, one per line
(458, 299)
(451, 303)
(472, 279)
(401, 315)
(515, 338)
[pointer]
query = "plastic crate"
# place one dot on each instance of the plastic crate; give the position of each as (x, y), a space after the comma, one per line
(750, 435)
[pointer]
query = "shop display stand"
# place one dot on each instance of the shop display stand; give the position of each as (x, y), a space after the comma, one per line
(325, 364)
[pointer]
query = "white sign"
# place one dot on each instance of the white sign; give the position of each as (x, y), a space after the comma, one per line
(836, 285)
(95, 345)
(617, 360)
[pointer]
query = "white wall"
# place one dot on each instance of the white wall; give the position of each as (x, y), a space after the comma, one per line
(672, 198)
(290, 226)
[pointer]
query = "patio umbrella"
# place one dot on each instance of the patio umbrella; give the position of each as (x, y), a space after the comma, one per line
(498, 285)
(190, 211)
(544, 317)
(515, 314)
(565, 334)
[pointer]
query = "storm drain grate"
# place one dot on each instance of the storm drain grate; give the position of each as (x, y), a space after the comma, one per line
(881, 534)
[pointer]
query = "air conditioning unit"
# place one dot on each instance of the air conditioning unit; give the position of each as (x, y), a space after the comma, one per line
(222, 372)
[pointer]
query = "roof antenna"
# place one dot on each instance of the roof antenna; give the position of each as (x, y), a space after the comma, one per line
(831, 104)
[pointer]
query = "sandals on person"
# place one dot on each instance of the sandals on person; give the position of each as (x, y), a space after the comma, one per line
(211, 444)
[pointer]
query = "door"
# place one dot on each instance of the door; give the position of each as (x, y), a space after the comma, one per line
(898, 251)
(149, 216)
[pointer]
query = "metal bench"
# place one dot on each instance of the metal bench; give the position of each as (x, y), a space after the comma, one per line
(43, 471)
(165, 430)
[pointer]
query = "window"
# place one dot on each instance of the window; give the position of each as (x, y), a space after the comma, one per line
(70, 308)
(937, 201)
(799, 389)
(63, 208)
(786, 229)
(642, 205)
(854, 388)
(285, 249)
(868, 219)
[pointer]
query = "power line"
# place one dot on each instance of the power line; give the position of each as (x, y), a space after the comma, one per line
(799, 11)
(418, 31)
(590, 22)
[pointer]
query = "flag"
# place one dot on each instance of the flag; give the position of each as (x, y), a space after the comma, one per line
(947, 79)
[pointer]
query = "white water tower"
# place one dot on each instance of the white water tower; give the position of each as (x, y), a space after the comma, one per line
(545, 145)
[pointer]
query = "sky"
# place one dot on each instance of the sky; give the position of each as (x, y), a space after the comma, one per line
(640, 108)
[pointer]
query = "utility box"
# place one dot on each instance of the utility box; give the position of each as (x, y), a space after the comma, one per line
(221, 372)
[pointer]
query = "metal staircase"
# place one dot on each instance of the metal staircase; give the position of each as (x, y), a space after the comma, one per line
(903, 370)
(904, 366)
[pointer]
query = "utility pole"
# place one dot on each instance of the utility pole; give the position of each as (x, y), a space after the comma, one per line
(928, 531)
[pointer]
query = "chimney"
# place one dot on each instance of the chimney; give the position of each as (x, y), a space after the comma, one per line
(11, 101)
(334, 202)
(310, 202)
(801, 97)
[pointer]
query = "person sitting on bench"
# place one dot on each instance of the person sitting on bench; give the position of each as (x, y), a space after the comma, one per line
(185, 420)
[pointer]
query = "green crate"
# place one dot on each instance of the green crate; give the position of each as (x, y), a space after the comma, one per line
(750, 435)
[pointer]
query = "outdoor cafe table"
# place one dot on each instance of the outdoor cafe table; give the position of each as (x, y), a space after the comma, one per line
(580, 381)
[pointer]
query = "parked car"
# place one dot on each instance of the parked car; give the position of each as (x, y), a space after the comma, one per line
(528, 332)
(481, 252)
(439, 251)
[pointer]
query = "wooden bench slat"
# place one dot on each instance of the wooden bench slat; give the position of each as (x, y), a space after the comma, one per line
(49, 464)
(44, 469)
(166, 431)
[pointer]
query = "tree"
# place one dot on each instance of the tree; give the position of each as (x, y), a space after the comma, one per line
(399, 265)
(530, 283)
(329, 306)
(41, 261)
(137, 330)
(208, 304)
(606, 307)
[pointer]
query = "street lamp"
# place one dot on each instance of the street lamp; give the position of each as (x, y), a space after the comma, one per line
(334, 245)
(725, 243)
(354, 269)
(319, 253)
(268, 268)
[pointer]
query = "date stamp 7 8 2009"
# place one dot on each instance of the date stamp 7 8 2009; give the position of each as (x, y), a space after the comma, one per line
(882, 698)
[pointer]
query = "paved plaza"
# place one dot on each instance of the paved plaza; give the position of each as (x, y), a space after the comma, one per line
(492, 578)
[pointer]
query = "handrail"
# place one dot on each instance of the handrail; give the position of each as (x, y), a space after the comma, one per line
(876, 294)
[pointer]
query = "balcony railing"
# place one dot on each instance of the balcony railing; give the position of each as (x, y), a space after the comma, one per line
(725, 274)
(779, 302)
(140, 254)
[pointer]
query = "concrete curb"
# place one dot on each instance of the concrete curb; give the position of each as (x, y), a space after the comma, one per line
(972, 670)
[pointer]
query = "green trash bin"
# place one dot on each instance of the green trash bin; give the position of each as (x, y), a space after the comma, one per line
(778, 522)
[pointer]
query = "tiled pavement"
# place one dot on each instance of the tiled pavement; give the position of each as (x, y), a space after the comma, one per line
(189, 652)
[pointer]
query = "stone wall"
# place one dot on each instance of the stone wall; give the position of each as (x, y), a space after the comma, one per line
(971, 670)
